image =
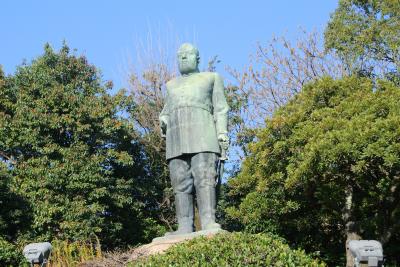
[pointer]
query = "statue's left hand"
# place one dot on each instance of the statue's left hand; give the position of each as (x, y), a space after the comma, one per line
(223, 140)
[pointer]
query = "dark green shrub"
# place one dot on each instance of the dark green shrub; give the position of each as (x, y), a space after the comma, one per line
(10, 255)
(232, 249)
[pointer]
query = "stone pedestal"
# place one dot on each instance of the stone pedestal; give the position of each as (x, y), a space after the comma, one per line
(158, 246)
(161, 244)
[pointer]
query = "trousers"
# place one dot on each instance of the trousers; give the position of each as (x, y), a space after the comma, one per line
(193, 170)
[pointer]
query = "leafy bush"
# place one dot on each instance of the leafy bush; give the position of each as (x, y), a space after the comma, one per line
(10, 255)
(236, 249)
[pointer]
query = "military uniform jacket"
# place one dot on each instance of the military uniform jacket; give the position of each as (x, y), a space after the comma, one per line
(195, 113)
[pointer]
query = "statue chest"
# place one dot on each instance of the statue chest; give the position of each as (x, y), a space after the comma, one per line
(191, 89)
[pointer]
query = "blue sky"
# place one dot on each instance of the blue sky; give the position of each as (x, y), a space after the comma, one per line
(109, 32)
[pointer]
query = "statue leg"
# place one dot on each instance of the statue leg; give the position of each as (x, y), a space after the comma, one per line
(182, 184)
(204, 173)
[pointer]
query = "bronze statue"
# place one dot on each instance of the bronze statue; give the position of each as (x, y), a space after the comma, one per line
(194, 122)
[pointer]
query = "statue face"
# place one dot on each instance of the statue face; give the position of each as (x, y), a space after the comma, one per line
(188, 60)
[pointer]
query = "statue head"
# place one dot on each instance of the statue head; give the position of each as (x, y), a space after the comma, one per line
(188, 59)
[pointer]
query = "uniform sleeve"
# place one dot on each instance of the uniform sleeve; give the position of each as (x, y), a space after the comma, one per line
(220, 106)
(165, 111)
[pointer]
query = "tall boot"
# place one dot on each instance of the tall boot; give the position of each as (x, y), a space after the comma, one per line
(206, 202)
(184, 214)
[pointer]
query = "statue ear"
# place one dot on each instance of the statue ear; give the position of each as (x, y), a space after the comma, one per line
(198, 59)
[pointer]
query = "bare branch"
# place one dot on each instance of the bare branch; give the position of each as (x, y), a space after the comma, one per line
(8, 158)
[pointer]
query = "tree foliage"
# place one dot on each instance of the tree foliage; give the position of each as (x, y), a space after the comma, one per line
(365, 33)
(334, 136)
(72, 156)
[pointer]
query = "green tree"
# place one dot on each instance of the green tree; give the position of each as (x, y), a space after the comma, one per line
(326, 168)
(365, 33)
(73, 156)
(14, 209)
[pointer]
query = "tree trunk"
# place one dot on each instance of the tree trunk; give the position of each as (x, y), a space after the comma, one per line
(351, 233)
(349, 256)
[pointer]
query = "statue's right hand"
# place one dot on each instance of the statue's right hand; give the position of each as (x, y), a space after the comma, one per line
(163, 126)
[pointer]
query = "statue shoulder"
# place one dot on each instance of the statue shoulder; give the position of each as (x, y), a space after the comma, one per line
(171, 83)
(211, 75)
(217, 76)
(208, 73)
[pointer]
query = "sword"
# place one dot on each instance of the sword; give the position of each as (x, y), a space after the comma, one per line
(220, 168)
